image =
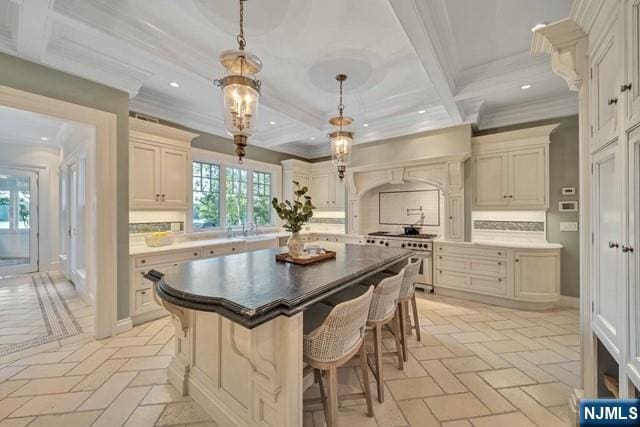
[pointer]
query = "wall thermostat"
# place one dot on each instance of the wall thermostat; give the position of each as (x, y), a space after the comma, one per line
(568, 191)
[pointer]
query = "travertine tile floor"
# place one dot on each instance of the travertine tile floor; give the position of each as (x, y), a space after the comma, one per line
(477, 365)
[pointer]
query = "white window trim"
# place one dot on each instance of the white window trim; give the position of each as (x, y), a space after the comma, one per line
(226, 161)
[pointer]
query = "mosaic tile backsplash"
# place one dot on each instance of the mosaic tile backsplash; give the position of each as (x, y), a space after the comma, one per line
(152, 227)
(528, 226)
(315, 220)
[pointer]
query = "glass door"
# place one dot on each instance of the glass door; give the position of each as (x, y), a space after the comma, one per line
(18, 222)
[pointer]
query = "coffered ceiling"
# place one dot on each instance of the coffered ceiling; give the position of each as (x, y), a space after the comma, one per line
(413, 65)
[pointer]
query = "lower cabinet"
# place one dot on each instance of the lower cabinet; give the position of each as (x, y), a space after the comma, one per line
(512, 277)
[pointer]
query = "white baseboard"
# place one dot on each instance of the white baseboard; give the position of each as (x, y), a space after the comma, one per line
(123, 325)
(569, 302)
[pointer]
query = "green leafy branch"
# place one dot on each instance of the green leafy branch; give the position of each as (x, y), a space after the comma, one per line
(297, 213)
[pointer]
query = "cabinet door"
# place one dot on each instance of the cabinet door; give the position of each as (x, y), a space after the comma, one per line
(527, 178)
(320, 190)
(606, 86)
(606, 267)
(537, 275)
(303, 180)
(633, 62)
(634, 257)
(144, 175)
(174, 176)
(339, 193)
(490, 184)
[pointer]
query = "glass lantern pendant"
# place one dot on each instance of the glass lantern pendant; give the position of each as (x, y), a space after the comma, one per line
(240, 91)
(341, 140)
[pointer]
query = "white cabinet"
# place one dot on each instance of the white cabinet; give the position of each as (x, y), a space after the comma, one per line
(527, 178)
(511, 170)
(339, 192)
(605, 78)
(633, 254)
(631, 85)
(159, 167)
(537, 275)
(606, 267)
(321, 190)
(524, 278)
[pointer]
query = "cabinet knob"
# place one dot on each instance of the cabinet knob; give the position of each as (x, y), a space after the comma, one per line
(499, 280)
(624, 88)
(615, 245)
(195, 254)
(143, 261)
(143, 292)
(499, 263)
(626, 249)
(233, 249)
(612, 101)
(499, 253)
(511, 197)
(517, 260)
(157, 197)
(142, 273)
(212, 252)
(440, 257)
(504, 197)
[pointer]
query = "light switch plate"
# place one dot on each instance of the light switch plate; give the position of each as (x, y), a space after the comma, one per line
(568, 226)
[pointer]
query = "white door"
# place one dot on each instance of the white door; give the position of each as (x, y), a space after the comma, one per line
(144, 176)
(320, 192)
(491, 180)
(63, 257)
(606, 220)
(18, 222)
(174, 167)
(527, 182)
(605, 73)
(634, 257)
(631, 85)
(339, 193)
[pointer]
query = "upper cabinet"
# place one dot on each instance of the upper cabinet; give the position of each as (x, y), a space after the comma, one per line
(511, 170)
(631, 84)
(159, 166)
(326, 190)
(605, 77)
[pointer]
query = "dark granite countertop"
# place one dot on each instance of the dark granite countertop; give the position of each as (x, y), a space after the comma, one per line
(252, 288)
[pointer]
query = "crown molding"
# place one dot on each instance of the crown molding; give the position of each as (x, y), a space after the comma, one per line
(585, 12)
(546, 108)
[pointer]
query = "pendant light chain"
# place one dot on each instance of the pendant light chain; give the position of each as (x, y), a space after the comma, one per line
(242, 42)
(341, 105)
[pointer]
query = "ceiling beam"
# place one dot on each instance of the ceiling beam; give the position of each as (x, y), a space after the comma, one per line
(33, 31)
(415, 20)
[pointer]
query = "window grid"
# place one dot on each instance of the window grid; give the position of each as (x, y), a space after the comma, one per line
(262, 198)
(206, 195)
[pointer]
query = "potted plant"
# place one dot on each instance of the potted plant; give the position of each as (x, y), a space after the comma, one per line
(294, 215)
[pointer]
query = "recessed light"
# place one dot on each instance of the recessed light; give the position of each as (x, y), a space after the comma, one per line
(174, 84)
(422, 111)
(538, 26)
(44, 138)
(525, 87)
(366, 125)
(272, 123)
(312, 138)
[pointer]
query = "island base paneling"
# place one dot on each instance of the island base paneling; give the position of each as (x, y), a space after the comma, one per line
(240, 376)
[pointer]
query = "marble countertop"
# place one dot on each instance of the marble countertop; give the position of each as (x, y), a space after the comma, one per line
(251, 288)
(506, 244)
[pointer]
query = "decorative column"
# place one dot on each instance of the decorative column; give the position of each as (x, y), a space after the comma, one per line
(566, 43)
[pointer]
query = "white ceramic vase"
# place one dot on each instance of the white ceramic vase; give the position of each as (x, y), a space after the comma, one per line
(295, 244)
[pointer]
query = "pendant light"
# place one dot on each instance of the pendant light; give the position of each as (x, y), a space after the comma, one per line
(240, 91)
(341, 140)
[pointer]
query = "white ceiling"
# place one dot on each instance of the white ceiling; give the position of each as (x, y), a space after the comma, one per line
(26, 128)
(458, 60)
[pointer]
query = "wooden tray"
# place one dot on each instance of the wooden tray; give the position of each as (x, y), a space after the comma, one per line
(305, 261)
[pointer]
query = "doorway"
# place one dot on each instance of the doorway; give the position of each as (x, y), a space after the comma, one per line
(18, 221)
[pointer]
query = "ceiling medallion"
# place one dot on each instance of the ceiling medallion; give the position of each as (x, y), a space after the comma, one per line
(341, 140)
(240, 91)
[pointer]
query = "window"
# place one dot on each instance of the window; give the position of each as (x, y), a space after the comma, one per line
(206, 196)
(236, 195)
(262, 198)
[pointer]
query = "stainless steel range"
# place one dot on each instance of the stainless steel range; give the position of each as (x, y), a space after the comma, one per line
(421, 244)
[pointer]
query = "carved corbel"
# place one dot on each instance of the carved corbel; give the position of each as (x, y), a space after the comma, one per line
(176, 312)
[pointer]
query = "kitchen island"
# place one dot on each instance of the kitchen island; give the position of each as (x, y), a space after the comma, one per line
(238, 322)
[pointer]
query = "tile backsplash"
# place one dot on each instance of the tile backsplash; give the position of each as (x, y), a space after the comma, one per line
(509, 225)
(152, 227)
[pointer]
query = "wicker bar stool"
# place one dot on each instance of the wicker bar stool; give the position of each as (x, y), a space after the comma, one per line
(407, 296)
(382, 312)
(332, 337)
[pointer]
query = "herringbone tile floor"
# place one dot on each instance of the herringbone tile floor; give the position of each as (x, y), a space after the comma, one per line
(477, 365)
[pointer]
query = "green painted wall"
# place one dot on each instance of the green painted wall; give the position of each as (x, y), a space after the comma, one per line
(207, 141)
(563, 172)
(29, 77)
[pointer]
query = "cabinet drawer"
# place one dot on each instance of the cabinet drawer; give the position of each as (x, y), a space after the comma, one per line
(212, 251)
(140, 282)
(144, 301)
(168, 258)
(481, 266)
(452, 279)
(488, 285)
(466, 251)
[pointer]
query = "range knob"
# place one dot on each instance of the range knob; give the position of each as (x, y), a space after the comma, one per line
(420, 245)
(415, 245)
(402, 245)
(381, 242)
(386, 244)
(368, 241)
